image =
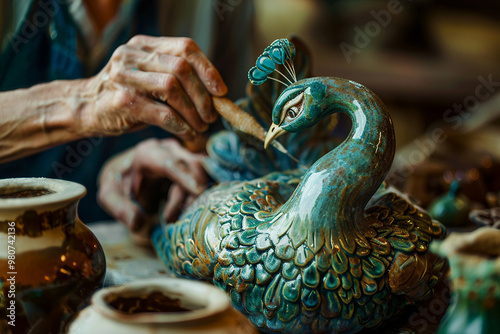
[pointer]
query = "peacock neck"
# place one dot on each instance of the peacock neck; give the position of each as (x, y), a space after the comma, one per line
(334, 192)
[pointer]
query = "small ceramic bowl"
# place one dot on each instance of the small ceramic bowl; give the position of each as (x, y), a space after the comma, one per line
(161, 305)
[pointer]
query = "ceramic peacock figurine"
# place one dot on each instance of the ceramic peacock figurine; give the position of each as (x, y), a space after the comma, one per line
(331, 249)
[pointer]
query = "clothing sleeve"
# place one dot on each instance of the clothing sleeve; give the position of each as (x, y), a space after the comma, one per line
(223, 29)
(12, 13)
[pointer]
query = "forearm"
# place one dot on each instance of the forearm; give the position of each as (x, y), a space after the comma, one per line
(40, 117)
(168, 86)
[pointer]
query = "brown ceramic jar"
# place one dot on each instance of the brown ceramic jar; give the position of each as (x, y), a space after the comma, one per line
(50, 262)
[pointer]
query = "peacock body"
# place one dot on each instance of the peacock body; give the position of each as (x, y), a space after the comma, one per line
(331, 249)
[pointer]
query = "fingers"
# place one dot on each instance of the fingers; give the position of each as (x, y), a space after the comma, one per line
(175, 203)
(194, 90)
(166, 87)
(126, 178)
(118, 203)
(169, 159)
(170, 78)
(185, 48)
(187, 169)
(162, 115)
(125, 94)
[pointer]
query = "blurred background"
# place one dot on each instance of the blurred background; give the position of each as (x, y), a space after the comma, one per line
(435, 64)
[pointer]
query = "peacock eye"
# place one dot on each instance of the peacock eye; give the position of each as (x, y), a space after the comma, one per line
(292, 112)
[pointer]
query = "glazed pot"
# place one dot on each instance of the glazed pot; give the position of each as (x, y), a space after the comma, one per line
(475, 279)
(50, 262)
(451, 209)
(161, 306)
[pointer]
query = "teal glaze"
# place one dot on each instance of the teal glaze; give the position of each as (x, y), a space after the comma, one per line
(451, 209)
(280, 51)
(330, 249)
(475, 279)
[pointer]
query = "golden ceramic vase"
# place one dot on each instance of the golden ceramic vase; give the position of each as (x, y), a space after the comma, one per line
(50, 262)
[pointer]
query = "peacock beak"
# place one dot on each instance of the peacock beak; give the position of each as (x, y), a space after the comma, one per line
(274, 132)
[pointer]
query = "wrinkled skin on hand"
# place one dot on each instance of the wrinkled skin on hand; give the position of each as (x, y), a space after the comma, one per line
(163, 81)
(131, 183)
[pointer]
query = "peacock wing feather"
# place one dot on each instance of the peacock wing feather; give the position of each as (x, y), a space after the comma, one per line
(221, 219)
(390, 268)
(406, 231)
(189, 247)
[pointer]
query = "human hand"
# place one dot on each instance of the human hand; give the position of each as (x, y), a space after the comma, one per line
(163, 81)
(131, 183)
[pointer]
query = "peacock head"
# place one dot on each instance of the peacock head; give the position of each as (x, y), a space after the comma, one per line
(302, 104)
(299, 106)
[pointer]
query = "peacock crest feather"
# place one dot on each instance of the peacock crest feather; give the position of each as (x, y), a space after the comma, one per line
(281, 52)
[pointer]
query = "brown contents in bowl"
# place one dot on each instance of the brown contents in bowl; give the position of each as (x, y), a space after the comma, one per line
(153, 302)
(27, 193)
